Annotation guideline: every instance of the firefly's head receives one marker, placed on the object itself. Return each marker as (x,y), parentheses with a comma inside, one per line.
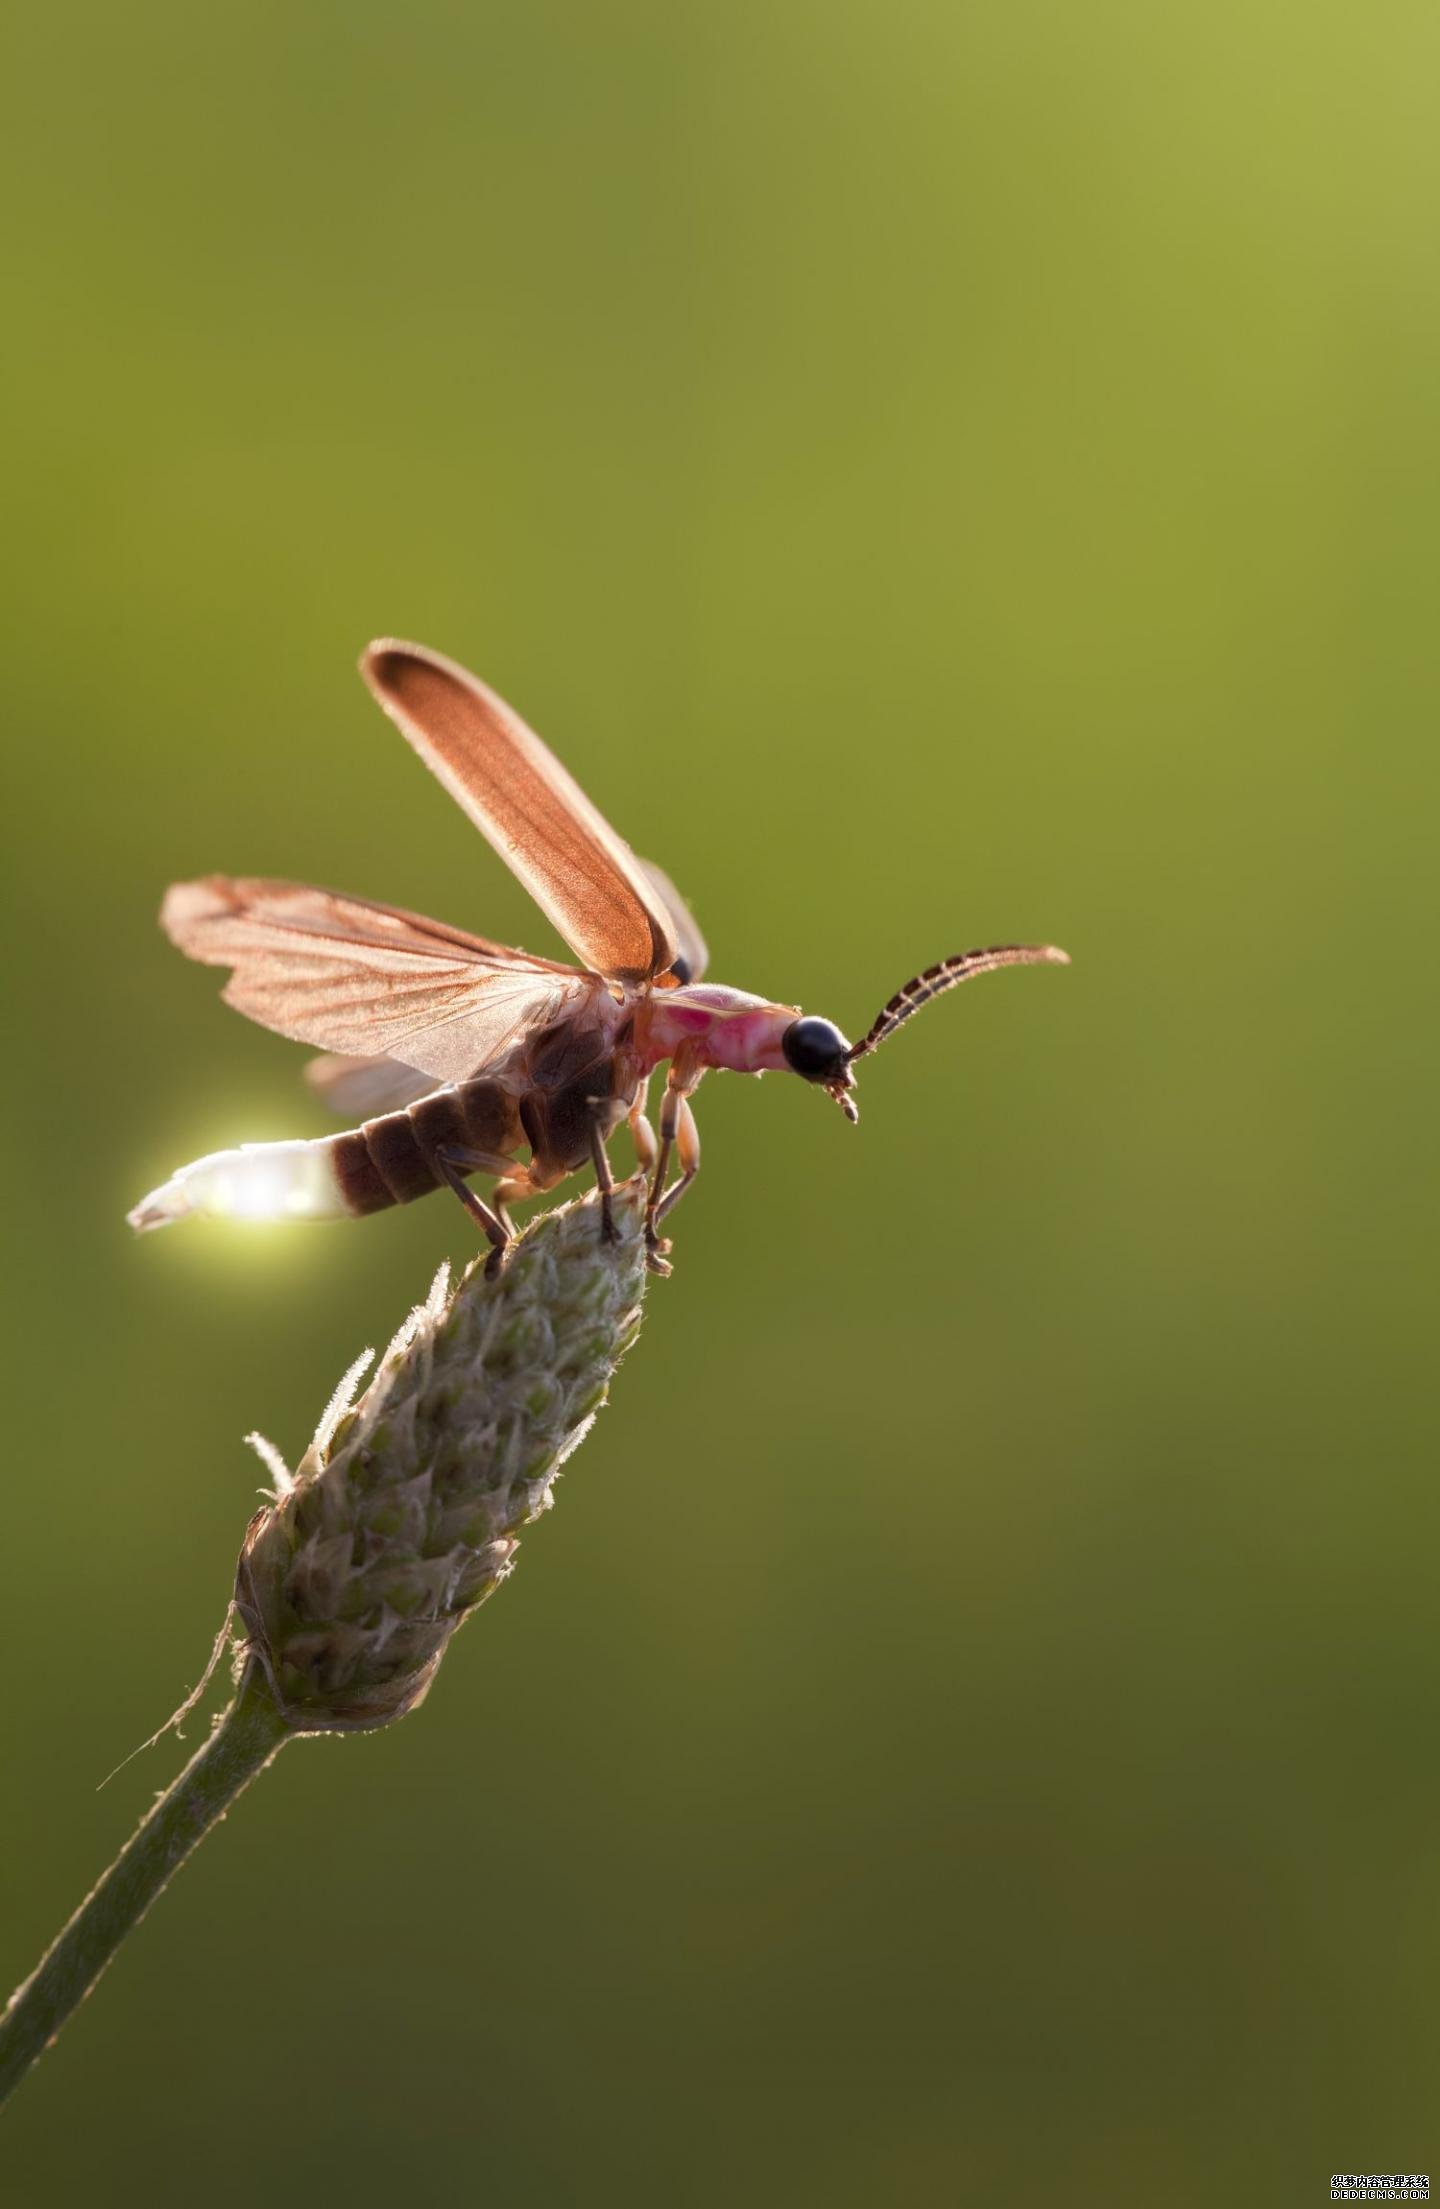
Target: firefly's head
(816,1050)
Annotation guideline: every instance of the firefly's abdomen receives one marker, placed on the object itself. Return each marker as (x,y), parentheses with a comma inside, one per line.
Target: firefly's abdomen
(391,1160)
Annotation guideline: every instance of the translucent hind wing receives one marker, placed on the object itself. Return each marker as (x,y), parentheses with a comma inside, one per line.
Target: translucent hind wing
(692,951)
(363,1088)
(367,980)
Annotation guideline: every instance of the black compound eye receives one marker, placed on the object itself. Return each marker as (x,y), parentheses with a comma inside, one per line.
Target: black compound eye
(816,1049)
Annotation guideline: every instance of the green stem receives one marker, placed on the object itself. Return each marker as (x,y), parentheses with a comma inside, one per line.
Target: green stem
(243,1743)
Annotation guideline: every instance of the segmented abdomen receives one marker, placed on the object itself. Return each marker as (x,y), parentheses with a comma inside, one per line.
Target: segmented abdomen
(390,1160)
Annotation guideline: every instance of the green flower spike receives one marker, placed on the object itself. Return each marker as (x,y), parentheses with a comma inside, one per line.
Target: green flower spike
(402,1517)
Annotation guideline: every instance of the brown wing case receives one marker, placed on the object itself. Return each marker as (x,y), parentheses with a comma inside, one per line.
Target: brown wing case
(367,979)
(579,872)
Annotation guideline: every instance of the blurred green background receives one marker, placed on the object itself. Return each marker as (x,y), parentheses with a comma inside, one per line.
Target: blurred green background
(937,474)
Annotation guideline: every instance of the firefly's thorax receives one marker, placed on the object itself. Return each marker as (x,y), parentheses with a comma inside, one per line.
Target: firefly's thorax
(713,1026)
(729,1028)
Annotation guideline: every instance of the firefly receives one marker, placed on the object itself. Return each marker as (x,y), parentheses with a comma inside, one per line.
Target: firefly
(457,1056)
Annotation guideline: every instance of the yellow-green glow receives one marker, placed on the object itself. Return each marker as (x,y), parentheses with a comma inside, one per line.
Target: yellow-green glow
(258,1182)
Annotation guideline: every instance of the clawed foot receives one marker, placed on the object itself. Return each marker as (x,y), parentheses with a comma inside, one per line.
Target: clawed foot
(496,1263)
(657,1252)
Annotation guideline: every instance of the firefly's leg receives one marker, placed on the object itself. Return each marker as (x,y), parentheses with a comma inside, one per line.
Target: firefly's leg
(452,1165)
(512,1190)
(642,1135)
(677,1125)
(654,1248)
(604,1179)
(687,1145)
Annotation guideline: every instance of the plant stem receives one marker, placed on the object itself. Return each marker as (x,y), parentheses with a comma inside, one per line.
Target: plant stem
(242,1744)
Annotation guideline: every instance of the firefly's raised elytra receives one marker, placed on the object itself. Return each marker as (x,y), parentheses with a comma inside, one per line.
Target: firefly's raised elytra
(456,1055)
